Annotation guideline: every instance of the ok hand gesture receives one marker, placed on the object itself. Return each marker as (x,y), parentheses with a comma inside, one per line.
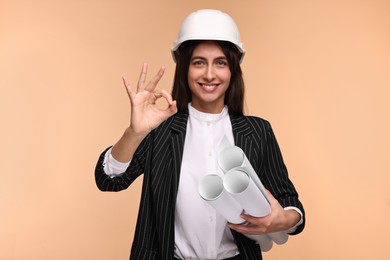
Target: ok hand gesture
(145,115)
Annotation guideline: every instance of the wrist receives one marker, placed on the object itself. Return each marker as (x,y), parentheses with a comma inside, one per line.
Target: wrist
(132,134)
(292,218)
(124,149)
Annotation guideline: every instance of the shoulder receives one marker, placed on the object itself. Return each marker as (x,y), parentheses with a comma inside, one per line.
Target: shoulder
(257,124)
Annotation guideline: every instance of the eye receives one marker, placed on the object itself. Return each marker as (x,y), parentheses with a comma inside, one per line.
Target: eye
(198,63)
(221,63)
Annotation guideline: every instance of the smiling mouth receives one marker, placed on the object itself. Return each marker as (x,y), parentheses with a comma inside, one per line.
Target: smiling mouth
(208,87)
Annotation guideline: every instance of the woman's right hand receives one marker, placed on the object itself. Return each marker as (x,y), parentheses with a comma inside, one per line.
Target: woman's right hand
(145,115)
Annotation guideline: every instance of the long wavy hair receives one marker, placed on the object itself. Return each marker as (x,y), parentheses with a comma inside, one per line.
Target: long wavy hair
(234,96)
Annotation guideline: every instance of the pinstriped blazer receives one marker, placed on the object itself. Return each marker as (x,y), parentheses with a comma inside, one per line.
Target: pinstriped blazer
(159,158)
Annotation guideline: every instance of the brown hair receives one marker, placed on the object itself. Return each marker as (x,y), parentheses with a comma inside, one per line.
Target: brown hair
(234,96)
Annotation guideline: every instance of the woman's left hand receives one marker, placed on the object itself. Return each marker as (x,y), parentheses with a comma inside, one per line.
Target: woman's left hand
(278,220)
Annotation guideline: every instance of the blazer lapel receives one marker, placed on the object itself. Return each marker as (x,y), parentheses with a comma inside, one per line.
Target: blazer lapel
(169,186)
(178,127)
(242,133)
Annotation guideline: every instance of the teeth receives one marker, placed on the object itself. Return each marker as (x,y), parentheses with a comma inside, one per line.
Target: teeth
(209,87)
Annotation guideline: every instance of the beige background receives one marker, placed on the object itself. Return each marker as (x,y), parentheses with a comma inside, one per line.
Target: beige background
(318,70)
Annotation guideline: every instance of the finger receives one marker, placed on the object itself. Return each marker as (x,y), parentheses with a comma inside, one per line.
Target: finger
(172,109)
(167,96)
(272,199)
(257,222)
(248,218)
(244,229)
(153,83)
(142,77)
(269,194)
(127,86)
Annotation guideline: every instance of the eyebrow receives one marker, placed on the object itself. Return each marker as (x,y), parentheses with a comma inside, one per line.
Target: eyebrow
(203,58)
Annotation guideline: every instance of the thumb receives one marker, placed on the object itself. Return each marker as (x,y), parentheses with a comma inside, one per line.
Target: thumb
(170,111)
(173,108)
(270,196)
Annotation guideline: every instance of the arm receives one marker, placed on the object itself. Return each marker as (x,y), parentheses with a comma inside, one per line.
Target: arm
(282,194)
(278,220)
(145,116)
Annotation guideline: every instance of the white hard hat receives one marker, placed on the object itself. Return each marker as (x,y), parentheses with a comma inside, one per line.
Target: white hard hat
(208,24)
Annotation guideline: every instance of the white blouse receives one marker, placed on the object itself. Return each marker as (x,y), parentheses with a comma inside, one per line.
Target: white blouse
(200,232)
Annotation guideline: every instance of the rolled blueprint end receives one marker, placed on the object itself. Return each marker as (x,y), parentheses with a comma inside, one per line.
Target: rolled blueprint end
(211,190)
(211,187)
(279,237)
(242,188)
(230,157)
(236,181)
(264,241)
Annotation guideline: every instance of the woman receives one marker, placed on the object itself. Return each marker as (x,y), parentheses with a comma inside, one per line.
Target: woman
(175,147)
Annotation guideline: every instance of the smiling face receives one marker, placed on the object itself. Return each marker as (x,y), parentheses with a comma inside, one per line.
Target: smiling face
(208,77)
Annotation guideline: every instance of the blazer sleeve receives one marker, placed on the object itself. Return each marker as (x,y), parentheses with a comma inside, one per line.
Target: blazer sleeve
(121,182)
(275,175)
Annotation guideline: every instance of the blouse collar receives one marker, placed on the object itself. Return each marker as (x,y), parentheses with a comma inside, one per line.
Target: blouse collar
(202,116)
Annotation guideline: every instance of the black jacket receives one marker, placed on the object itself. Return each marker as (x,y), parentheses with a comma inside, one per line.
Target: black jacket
(159,157)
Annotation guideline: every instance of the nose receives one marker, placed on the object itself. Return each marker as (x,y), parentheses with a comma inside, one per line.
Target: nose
(209,74)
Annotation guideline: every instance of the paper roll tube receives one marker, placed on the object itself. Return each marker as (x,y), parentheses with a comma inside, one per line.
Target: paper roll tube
(279,237)
(238,183)
(241,187)
(264,241)
(211,190)
(231,157)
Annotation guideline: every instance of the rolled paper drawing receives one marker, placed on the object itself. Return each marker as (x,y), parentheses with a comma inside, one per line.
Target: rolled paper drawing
(264,241)
(232,158)
(211,190)
(279,237)
(241,187)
